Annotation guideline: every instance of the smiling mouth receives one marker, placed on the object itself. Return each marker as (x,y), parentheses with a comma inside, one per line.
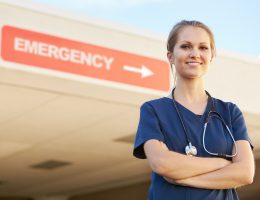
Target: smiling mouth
(194,63)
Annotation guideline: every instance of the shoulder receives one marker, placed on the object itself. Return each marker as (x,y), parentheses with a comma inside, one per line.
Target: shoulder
(227,107)
(157,103)
(224,104)
(227,104)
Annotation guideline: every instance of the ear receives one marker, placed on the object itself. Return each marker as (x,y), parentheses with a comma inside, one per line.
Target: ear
(170,57)
(211,59)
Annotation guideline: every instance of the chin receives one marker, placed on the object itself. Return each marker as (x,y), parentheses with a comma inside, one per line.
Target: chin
(194,76)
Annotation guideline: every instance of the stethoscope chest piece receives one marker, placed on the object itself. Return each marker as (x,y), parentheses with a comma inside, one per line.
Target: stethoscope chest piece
(190,150)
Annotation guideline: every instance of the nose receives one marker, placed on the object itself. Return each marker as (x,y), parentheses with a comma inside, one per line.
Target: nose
(194,53)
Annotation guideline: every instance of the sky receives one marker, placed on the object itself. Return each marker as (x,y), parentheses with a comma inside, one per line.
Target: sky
(235,23)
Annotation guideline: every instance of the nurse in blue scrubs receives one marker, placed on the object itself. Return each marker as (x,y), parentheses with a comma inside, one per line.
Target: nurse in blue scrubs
(197,145)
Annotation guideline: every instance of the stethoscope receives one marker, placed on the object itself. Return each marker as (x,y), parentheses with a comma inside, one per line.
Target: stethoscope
(192,150)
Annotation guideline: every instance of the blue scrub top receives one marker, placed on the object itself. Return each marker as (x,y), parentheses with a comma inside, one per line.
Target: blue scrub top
(159,120)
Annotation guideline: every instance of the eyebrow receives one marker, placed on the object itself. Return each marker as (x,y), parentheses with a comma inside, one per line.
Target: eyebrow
(191,43)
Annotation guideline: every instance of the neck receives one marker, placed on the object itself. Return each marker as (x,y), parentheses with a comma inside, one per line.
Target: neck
(190,92)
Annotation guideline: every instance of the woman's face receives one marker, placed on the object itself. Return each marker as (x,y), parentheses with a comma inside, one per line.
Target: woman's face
(192,53)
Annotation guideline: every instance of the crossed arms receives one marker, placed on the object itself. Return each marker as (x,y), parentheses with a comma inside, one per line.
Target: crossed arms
(200,172)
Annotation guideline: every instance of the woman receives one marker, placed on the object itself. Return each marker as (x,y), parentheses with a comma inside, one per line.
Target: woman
(188,159)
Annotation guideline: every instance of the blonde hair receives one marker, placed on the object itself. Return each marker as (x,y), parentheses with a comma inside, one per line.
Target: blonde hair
(173,35)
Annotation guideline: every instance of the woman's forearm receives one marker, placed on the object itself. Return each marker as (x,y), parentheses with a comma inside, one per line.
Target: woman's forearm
(178,166)
(240,172)
(231,176)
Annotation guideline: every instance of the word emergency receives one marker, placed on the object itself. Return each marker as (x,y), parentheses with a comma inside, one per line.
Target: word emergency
(62,53)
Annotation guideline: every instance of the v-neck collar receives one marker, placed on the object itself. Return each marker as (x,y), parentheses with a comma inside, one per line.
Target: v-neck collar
(200,118)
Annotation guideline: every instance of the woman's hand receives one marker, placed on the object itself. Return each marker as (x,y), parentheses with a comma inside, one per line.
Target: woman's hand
(169,180)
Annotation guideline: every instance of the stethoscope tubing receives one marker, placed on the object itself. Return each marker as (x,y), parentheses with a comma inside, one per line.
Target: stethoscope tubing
(218,154)
(182,123)
(211,113)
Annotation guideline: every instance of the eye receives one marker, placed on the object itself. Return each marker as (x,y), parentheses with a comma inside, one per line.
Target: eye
(185,46)
(204,48)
